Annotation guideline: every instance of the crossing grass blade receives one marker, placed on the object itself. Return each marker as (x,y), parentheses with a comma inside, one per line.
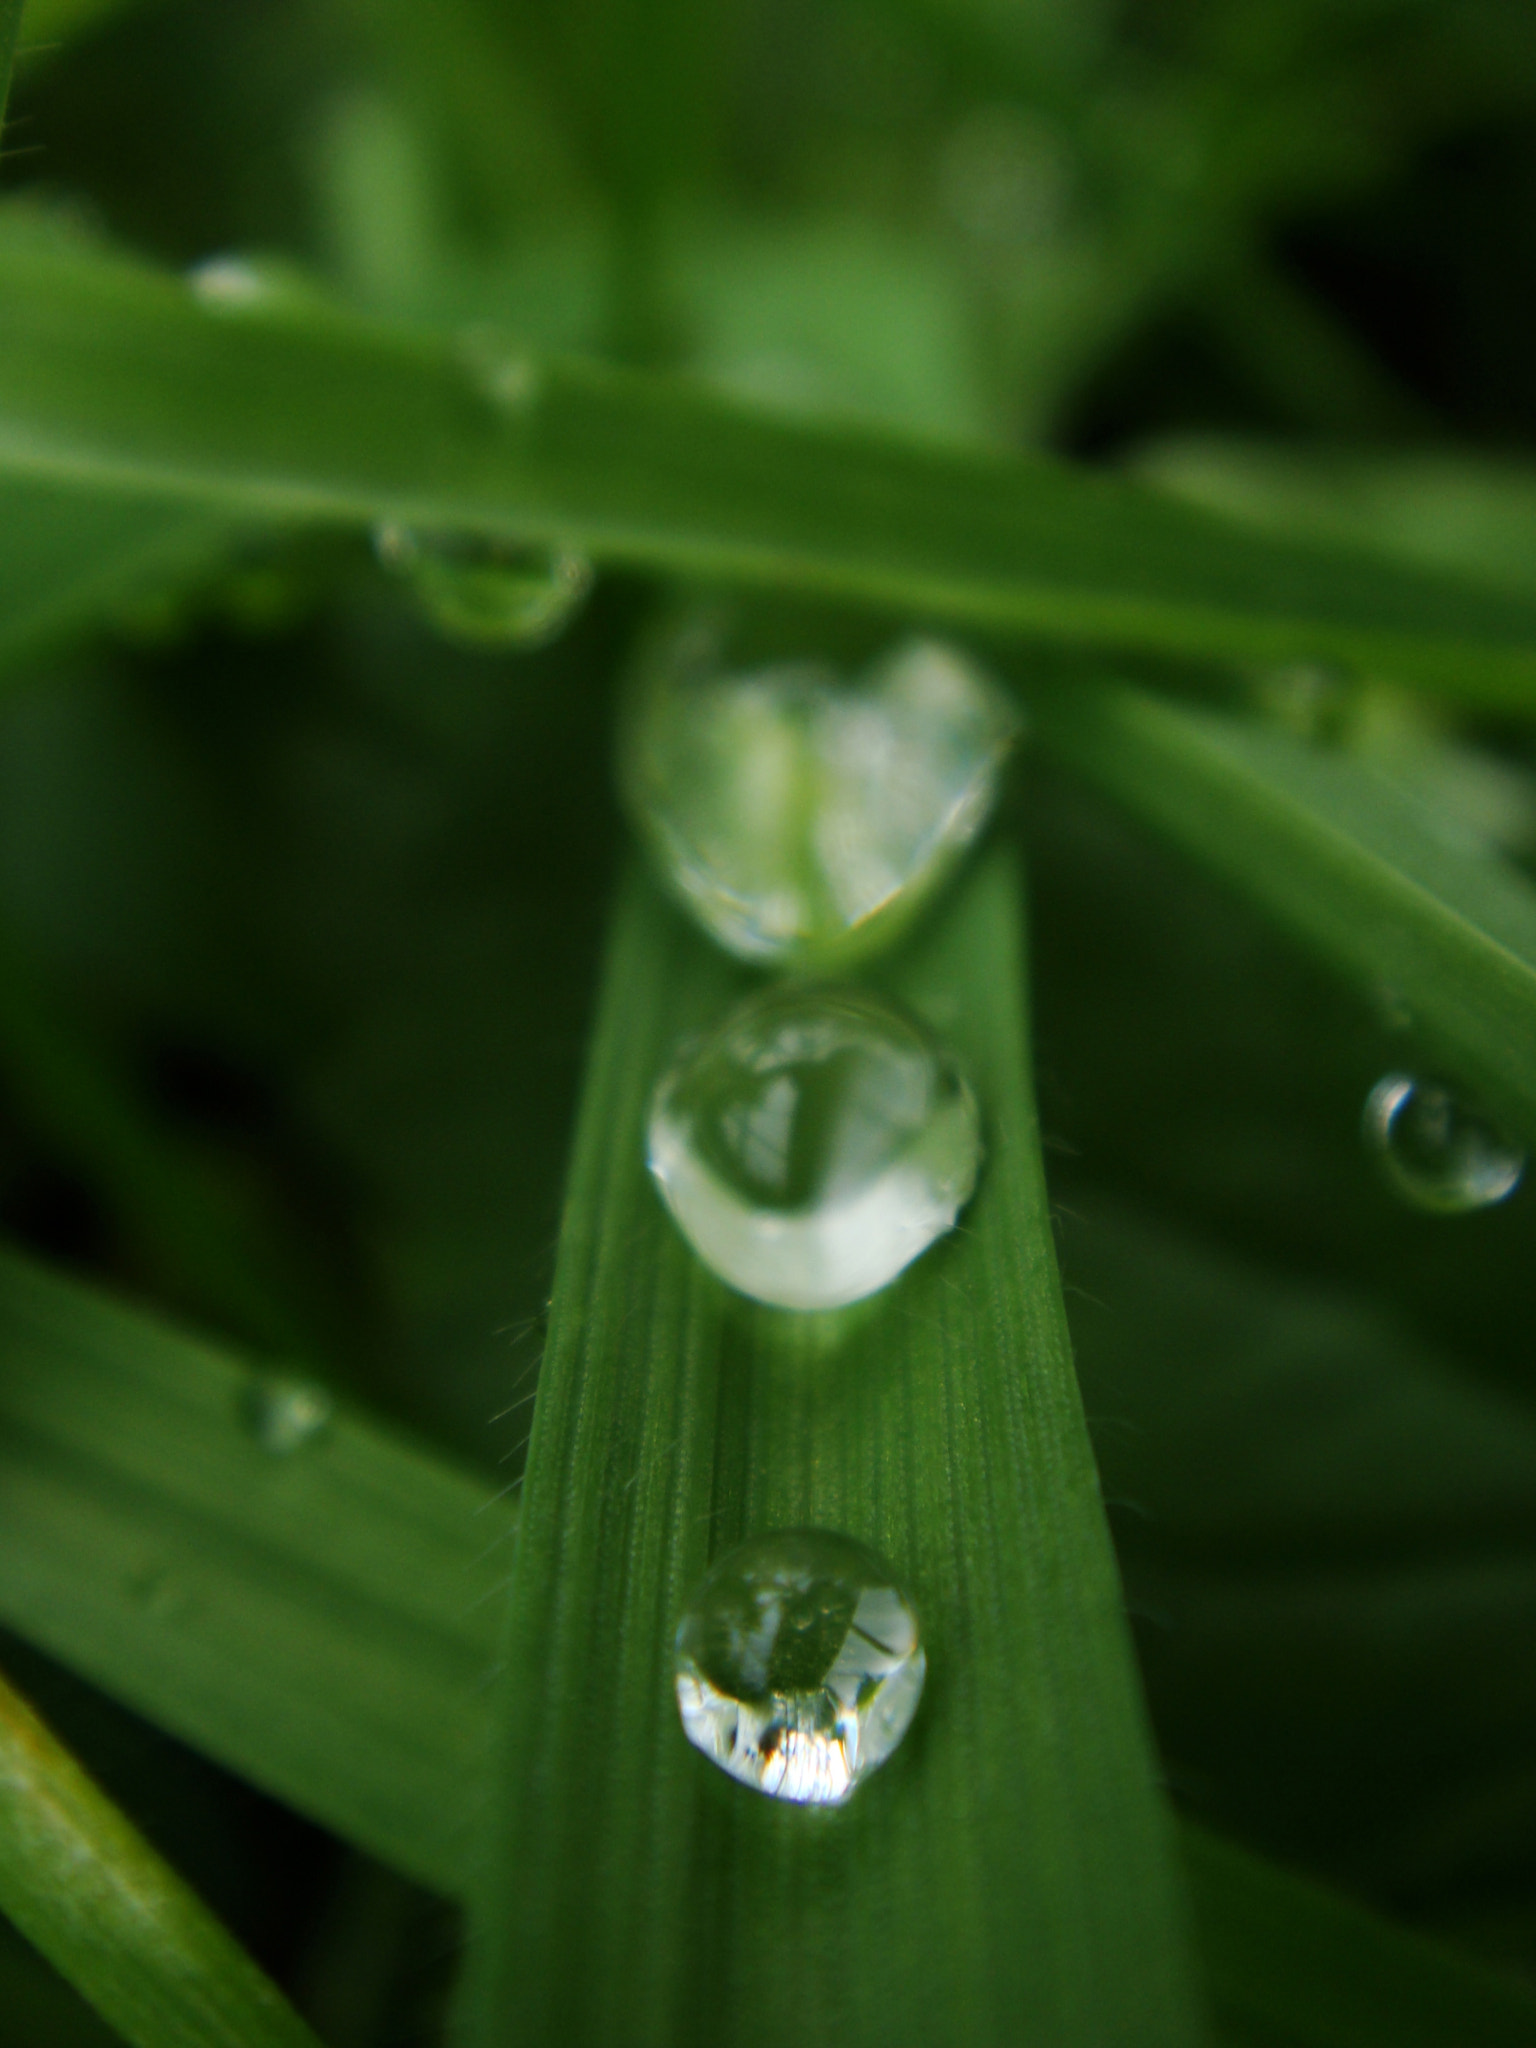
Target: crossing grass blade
(1264,1932)
(10,30)
(280,1675)
(69,559)
(939,1422)
(84,1886)
(114,376)
(320,1620)
(1341,857)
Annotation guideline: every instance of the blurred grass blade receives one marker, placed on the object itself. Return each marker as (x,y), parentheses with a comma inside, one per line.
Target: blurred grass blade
(287,1678)
(113,375)
(69,558)
(312,1610)
(1264,1933)
(10,30)
(1473,517)
(1339,855)
(84,1886)
(205,1235)
(940,1423)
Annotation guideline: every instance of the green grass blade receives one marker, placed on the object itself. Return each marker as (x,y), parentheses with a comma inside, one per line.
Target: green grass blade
(320,1621)
(84,1886)
(114,375)
(70,558)
(10,30)
(280,1676)
(1335,852)
(941,1423)
(1264,1933)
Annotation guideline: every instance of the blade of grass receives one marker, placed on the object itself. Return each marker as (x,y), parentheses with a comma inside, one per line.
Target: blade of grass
(10,30)
(940,1423)
(1340,856)
(69,558)
(306,1617)
(280,1678)
(113,375)
(1263,1932)
(86,1888)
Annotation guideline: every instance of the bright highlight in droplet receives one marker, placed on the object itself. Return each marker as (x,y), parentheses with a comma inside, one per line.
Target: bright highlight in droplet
(1437,1154)
(799,1665)
(803,819)
(285,1412)
(814,1145)
(484,592)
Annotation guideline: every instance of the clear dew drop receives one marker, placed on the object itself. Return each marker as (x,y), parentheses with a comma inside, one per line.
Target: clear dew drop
(801,818)
(1437,1154)
(799,1665)
(484,592)
(813,1145)
(284,1412)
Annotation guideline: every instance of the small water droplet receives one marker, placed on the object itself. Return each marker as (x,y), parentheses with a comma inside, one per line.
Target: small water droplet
(248,284)
(484,592)
(1437,1154)
(799,1665)
(803,819)
(814,1144)
(284,1413)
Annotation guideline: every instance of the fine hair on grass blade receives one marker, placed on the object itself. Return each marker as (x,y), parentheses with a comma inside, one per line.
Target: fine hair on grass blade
(938,1422)
(84,1886)
(117,377)
(1340,857)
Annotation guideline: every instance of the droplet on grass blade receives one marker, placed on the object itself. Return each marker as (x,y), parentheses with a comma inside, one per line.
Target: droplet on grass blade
(814,1144)
(799,1665)
(1437,1154)
(485,592)
(284,1412)
(802,819)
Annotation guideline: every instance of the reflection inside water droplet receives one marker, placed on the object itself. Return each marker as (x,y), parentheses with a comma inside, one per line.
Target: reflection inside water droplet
(484,592)
(1437,1154)
(799,1665)
(814,1144)
(800,818)
(284,1413)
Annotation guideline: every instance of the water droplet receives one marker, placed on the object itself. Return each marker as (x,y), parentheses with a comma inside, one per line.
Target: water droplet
(484,592)
(284,1413)
(799,1665)
(803,819)
(248,284)
(1438,1155)
(813,1145)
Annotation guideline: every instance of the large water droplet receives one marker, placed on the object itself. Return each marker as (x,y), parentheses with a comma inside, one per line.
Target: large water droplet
(799,1665)
(485,592)
(803,819)
(1438,1155)
(284,1412)
(814,1144)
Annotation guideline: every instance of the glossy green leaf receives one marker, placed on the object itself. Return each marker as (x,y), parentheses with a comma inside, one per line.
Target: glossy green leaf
(939,1422)
(115,376)
(304,1612)
(10,30)
(112,1917)
(280,1675)
(1340,856)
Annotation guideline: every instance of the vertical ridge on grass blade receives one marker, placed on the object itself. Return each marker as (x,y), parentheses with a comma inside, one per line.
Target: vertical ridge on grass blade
(1011,1871)
(85,1887)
